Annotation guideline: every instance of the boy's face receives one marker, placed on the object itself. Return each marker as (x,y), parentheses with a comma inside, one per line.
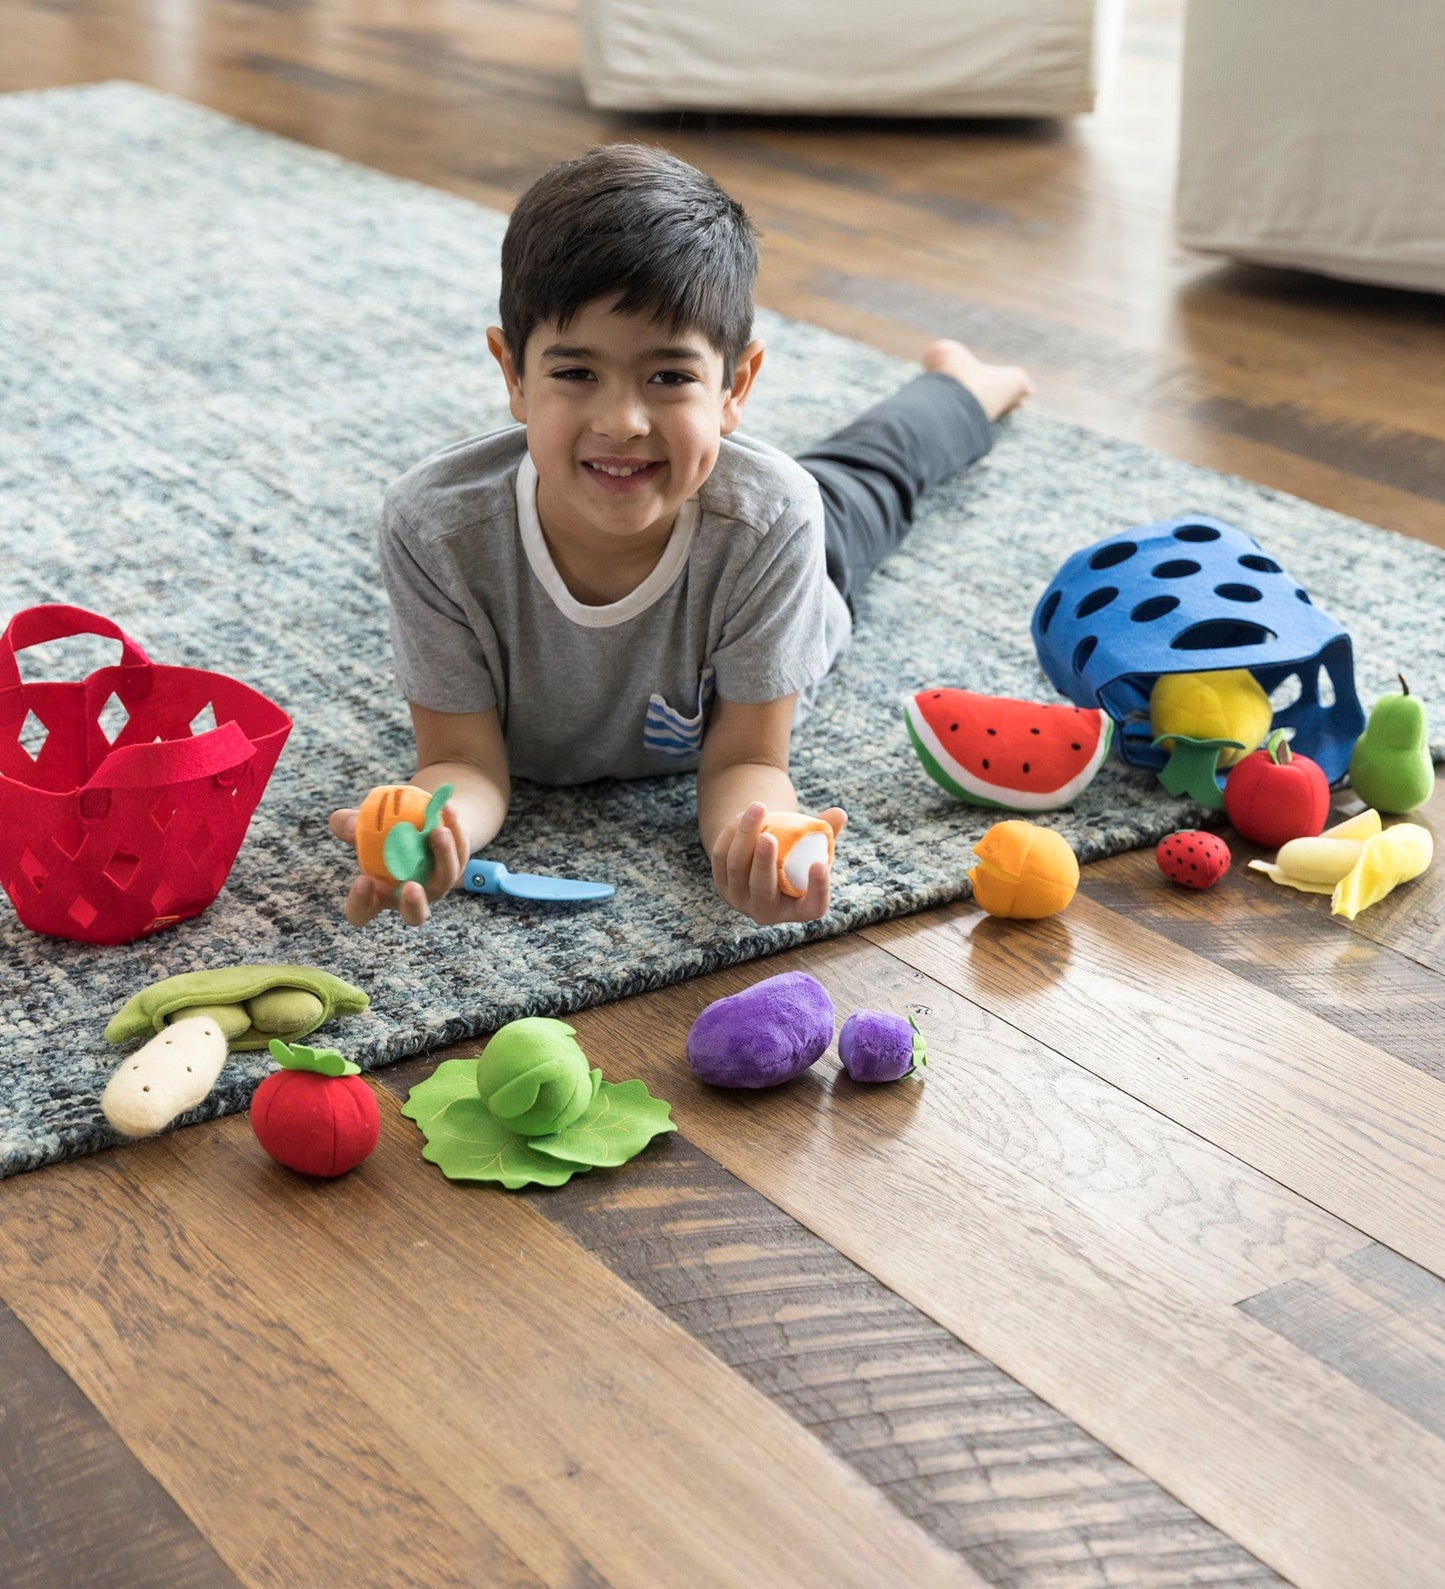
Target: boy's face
(624,420)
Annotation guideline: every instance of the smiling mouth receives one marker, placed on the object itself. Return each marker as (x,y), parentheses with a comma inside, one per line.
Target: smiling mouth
(617,471)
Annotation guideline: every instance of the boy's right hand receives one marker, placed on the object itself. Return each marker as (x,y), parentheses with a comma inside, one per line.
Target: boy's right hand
(367,898)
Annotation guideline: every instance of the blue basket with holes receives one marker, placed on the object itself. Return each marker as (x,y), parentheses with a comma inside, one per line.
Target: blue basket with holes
(1193,595)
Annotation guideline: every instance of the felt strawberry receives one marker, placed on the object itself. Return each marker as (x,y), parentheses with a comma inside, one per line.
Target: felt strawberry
(315,1114)
(1193,859)
(1275,795)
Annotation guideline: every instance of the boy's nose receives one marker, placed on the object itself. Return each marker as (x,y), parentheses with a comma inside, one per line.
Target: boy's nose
(620,415)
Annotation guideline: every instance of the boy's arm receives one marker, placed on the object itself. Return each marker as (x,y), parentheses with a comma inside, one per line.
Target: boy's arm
(466,750)
(742,776)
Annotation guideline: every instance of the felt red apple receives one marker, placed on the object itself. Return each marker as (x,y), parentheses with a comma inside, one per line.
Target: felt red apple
(1273,795)
(315,1114)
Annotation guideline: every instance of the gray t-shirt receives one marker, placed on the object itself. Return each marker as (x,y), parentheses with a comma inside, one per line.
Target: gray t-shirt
(739,603)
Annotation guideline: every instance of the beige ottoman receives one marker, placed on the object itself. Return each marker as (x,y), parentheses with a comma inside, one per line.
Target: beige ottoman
(1312,134)
(849,57)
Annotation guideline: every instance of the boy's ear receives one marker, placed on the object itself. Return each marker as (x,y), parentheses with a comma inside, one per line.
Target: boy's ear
(517,401)
(737,394)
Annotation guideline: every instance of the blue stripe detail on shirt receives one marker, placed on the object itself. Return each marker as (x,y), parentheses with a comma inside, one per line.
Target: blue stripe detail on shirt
(668,732)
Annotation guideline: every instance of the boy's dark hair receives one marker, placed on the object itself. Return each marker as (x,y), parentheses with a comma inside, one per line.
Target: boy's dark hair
(632,219)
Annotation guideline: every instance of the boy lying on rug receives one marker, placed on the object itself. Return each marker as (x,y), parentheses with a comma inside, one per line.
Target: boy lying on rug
(621,585)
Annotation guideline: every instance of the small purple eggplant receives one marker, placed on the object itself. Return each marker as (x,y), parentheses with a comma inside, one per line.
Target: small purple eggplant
(765,1035)
(875,1046)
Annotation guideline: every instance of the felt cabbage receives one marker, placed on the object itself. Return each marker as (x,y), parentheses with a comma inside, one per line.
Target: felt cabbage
(534,1077)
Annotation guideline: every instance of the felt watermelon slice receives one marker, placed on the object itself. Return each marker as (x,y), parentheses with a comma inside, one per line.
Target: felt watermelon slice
(991,750)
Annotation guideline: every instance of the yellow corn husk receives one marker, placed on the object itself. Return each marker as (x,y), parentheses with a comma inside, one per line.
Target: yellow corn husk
(1395,856)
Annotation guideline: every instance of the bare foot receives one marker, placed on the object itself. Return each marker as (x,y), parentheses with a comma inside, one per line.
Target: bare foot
(998,387)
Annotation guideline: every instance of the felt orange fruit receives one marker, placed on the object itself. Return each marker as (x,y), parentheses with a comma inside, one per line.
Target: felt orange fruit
(1023,871)
(801,841)
(380,812)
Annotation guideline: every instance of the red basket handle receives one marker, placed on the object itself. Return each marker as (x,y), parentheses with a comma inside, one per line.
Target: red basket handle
(211,755)
(34,626)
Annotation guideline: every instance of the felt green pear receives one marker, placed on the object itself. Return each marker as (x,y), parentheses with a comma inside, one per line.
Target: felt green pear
(1390,767)
(534,1077)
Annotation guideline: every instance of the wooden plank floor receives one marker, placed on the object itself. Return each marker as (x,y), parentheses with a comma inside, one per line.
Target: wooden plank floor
(1143,1285)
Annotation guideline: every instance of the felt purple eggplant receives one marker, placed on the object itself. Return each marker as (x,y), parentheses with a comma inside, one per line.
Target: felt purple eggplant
(876,1046)
(765,1035)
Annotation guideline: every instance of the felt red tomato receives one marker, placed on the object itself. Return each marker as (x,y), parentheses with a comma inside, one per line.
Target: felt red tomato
(1273,795)
(315,1114)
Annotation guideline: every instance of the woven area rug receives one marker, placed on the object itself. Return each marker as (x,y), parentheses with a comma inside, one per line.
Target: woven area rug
(217,348)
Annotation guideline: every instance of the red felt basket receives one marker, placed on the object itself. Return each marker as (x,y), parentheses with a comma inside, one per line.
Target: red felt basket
(106,839)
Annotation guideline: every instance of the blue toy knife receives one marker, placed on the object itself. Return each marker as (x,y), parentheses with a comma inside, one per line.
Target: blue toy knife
(491,877)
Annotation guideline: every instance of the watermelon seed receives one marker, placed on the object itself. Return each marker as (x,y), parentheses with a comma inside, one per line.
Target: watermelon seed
(1075,747)
(985,763)
(1026,766)
(993,731)
(953,728)
(1033,731)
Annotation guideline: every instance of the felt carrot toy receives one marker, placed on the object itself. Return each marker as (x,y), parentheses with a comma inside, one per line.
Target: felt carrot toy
(392,828)
(801,841)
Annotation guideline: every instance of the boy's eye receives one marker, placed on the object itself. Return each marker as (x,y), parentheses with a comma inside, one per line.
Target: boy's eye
(674,377)
(572,375)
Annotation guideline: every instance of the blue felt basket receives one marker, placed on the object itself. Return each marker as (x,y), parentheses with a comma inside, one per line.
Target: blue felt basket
(1192,595)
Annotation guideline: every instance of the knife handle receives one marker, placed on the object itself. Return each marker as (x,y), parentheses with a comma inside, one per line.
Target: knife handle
(483,877)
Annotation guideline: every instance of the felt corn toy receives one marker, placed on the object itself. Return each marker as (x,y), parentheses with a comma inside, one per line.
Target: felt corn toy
(801,841)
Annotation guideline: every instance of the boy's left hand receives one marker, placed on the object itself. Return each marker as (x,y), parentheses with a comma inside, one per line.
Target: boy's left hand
(745,870)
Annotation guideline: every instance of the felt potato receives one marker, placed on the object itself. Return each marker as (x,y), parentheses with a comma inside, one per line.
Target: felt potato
(1024,871)
(801,841)
(763,1036)
(170,1074)
(310,996)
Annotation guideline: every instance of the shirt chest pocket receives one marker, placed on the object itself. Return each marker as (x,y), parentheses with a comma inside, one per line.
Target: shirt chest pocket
(677,735)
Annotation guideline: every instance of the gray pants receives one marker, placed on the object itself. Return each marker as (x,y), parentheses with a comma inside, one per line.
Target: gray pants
(873,471)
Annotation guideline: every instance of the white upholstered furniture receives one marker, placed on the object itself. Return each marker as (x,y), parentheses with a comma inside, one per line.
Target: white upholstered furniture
(1312,134)
(849,57)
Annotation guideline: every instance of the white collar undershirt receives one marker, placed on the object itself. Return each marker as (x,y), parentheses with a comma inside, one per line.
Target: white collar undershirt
(669,565)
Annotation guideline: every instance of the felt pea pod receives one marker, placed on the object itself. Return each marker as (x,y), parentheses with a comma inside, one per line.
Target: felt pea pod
(251,1004)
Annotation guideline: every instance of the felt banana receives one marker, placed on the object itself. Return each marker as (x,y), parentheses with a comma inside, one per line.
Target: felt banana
(1315,866)
(1398,855)
(1357,863)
